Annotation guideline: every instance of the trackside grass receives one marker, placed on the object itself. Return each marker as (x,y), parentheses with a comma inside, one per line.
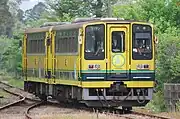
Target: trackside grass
(15,82)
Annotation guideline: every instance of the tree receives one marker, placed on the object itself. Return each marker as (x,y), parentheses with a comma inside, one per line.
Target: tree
(66,10)
(20,15)
(163,14)
(128,10)
(6,21)
(169,58)
(10,56)
(35,13)
(14,6)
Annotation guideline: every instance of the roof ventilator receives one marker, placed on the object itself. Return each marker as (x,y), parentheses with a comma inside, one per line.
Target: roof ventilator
(54,23)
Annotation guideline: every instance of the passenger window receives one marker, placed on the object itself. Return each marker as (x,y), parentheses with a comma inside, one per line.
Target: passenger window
(118,41)
(35,43)
(66,42)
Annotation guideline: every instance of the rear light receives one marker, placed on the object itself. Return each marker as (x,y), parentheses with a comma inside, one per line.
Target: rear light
(142,66)
(93,66)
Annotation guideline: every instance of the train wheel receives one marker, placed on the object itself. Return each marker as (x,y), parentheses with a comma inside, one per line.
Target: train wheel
(126,109)
(43,97)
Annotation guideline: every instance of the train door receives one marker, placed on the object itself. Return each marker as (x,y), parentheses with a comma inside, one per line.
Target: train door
(118,53)
(49,59)
(24,57)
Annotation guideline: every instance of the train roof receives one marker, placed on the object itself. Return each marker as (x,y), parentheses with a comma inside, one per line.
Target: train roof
(76,24)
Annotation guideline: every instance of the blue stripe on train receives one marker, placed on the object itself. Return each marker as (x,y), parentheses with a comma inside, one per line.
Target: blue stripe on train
(122,76)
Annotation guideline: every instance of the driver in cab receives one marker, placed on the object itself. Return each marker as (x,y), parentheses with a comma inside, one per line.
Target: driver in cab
(115,45)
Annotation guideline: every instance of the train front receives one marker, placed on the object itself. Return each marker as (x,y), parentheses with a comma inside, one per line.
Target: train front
(118,64)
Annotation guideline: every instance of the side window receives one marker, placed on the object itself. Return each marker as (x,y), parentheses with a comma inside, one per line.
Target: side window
(118,41)
(35,43)
(67,41)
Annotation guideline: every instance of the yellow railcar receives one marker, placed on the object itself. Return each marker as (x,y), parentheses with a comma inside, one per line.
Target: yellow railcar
(100,62)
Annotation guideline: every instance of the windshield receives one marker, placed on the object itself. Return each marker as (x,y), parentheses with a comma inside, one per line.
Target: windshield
(142,44)
(94,42)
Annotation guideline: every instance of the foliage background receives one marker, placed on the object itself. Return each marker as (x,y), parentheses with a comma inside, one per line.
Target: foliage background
(164,14)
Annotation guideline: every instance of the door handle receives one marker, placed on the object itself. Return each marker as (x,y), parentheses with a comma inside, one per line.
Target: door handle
(65,62)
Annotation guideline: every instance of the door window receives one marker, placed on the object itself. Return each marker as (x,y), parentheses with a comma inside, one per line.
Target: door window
(118,41)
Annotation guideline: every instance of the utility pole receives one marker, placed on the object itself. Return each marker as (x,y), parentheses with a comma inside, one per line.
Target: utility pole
(109,9)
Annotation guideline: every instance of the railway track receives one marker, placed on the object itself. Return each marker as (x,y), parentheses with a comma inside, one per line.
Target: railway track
(131,115)
(115,112)
(20,92)
(31,107)
(139,115)
(22,99)
(37,103)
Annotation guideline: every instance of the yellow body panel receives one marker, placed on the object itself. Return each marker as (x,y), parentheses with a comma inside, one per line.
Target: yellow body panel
(151,62)
(94,84)
(24,58)
(66,82)
(135,62)
(106,84)
(35,61)
(84,62)
(49,51)
(66,62)
(35,79)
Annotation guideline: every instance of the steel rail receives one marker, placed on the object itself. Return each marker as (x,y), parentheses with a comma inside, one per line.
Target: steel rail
(31,107)
(150,115)
(22,99)
(30,99)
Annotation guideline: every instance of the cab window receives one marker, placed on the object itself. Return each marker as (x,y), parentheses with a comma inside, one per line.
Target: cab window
(95,42)
(142,42)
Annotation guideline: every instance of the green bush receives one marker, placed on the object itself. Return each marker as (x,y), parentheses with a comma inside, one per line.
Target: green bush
(158,103)
(178,105)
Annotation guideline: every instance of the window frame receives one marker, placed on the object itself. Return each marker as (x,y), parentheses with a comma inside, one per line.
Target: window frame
(134,31)
(64,37)
(122,43)
(34,45)
(89,55)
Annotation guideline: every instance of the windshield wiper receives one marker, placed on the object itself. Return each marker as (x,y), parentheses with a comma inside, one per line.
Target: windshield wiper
(97,52)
